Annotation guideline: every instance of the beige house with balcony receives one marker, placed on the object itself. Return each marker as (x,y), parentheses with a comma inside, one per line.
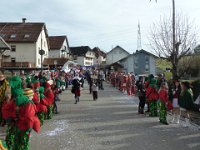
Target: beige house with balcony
(59,47)
(26,39)
(59,52)
(83,55)
(100,56)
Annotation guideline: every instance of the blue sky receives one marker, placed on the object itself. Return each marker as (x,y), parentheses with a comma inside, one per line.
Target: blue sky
(102,23)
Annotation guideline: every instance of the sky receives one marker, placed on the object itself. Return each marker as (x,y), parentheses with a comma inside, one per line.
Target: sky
(98,23)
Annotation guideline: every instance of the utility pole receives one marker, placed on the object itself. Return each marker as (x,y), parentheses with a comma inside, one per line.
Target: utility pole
(174,51)
(174,37)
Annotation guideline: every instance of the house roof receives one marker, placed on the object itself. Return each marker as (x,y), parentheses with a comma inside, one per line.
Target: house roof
(143,51)
(51,61)
(125,57)
(118,47)
(80,51)
(98,52)
(138,52)
(21,32)
(3,44)
(56,42)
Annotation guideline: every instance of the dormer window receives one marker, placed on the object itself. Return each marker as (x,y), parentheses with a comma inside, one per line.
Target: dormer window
(13,36)
(26,36)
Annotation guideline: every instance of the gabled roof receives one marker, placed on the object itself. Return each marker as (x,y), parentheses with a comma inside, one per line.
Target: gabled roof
(125,57)
(118,47)
(56,42)
(98,52)
(143,51)
(21,32)
(3,44)
(80,51)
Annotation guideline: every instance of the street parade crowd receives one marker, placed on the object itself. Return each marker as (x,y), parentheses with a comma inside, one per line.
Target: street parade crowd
(26,101)
(159,94)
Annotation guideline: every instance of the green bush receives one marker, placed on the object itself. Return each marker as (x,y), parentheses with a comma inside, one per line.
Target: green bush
(196,88)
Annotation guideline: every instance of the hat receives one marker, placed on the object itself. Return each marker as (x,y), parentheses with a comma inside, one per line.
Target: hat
(20,98)
(28,92)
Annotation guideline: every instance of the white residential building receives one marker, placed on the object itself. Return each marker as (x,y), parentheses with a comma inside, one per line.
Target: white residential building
(59,47)
(83,55)
(26,40)
(100,56)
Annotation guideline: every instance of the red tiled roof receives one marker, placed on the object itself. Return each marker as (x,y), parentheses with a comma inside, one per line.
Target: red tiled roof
(31,30)
(56,42)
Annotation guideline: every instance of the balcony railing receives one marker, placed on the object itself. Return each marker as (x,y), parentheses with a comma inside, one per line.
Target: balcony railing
(18,64)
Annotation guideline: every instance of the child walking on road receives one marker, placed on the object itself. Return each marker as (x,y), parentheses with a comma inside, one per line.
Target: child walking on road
(95,91)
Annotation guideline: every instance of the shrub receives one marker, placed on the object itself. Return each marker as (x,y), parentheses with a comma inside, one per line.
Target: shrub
(196,88)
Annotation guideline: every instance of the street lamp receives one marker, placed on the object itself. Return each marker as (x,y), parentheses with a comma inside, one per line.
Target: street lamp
(41,52)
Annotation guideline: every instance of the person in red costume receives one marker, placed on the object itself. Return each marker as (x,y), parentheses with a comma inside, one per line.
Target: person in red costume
(48,100)
(152,95)
(37,97)
(22,112)
(129,84)
(133,88)
(163,97)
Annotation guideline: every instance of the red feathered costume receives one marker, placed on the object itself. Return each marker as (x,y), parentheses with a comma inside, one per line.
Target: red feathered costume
(39,105)
(24,115)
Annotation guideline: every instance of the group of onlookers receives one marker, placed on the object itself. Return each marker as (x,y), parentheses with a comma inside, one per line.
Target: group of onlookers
(158,94)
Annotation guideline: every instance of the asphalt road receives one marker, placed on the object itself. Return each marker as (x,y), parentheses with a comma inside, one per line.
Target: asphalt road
(110,123)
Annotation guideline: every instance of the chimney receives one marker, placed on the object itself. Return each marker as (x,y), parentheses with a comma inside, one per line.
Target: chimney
(24,20)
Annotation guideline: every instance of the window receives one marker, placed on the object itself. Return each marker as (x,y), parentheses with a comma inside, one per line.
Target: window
(13,60)
(146,59)
(136,60)
(39,61)
(26,36)
(13,36)
(146,67)
(13,48)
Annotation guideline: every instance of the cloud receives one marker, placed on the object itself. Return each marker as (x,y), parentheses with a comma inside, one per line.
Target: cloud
(102,23)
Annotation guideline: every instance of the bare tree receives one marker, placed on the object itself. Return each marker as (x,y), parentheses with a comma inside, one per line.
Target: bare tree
(163,42)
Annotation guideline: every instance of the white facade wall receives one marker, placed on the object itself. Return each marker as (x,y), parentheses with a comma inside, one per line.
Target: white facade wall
(41,44)
(25,52)
(54,53)
(29,52)
(88,60)
(65,46)
(99,60)
(115,55)
(80,60)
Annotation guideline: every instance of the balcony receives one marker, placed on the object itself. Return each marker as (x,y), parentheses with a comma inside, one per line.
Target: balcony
(18,64)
